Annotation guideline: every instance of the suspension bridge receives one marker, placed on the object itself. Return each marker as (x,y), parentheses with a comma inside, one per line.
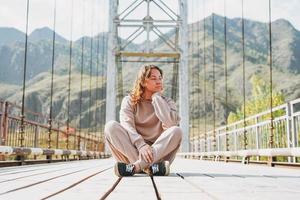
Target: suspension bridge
(241,126)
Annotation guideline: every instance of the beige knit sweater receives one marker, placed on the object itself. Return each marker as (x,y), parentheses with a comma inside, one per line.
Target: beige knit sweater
(149,119)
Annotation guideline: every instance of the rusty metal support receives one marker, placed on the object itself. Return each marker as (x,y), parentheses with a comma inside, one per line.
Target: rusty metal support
(4,124)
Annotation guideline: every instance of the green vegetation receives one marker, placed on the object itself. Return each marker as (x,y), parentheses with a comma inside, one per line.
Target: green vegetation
(259,102)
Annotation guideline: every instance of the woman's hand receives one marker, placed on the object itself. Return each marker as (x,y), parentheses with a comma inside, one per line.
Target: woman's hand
(146,153)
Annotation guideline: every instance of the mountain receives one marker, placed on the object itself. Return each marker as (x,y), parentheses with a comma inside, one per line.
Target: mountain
(286,63)
(37,98)
(45,33)
(286,45)
(9,36)
(39,56)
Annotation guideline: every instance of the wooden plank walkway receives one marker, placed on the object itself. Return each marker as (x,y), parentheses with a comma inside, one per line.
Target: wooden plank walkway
(189,179)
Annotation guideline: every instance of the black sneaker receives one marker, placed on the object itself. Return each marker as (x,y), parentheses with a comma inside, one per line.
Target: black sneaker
(123,169)
(160,169)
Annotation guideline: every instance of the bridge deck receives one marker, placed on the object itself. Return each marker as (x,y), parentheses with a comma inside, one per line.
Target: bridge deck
(189,179)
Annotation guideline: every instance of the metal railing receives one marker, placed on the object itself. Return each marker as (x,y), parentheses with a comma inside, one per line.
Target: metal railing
(37,132)
(230,138)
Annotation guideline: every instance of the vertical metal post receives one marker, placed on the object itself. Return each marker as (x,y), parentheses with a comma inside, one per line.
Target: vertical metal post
(57,137)
(293,128)
(36,136)
(75,138)
(2,138)
(78,143)
(111,62)
(235,138)
(4,124)
(183,75)
(218,141)
(288,127)
(256,137)
(1,121)
(148,27)
(67,139)
(119,75)
(94,143)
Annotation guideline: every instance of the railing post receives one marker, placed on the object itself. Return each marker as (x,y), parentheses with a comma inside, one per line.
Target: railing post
(83,146)
(93,142)
(87,142)
(97,141)
(288,128)
(1,121)
(75,138)
(226,139)
(193,145)
(208,145)
(293,128)
(205,141)
(218,140)
(36,137)
(78,142)
(200,144)
(257,137)
(4,124)
(67,138)
(97,144)
(2,135)
(235,138)
(57,138)
(49,140)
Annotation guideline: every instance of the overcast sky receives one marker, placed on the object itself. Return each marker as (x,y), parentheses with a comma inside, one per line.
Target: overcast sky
(95,12)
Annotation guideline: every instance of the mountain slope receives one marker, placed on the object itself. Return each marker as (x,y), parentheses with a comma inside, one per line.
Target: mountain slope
(286,72)
(9,36)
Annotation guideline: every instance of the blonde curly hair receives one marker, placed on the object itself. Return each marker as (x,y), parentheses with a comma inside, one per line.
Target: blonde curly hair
(138,87)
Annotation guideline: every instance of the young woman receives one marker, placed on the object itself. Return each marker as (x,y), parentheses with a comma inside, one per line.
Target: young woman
(147,137)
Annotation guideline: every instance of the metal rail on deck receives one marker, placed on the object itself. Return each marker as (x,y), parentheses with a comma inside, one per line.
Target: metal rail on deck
(36,137)
(286,131)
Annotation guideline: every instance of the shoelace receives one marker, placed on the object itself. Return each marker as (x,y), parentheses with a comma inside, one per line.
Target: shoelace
(129,168)
(155,168)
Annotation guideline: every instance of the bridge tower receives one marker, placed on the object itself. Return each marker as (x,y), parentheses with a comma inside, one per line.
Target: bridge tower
(177,50)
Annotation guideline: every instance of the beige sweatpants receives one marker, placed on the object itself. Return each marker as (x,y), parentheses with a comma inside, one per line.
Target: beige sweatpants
(164,148)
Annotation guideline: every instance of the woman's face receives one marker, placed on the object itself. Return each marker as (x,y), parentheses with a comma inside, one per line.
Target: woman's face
(155,82)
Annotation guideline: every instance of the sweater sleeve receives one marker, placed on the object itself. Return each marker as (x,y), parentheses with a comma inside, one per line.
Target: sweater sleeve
(165,110)
(127,121)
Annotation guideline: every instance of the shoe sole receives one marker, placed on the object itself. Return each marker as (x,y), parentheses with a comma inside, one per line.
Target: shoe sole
(116,170)
(167,165)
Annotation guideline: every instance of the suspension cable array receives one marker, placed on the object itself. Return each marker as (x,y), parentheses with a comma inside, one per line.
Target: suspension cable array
(209,89)
(28,132)
(243,64)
